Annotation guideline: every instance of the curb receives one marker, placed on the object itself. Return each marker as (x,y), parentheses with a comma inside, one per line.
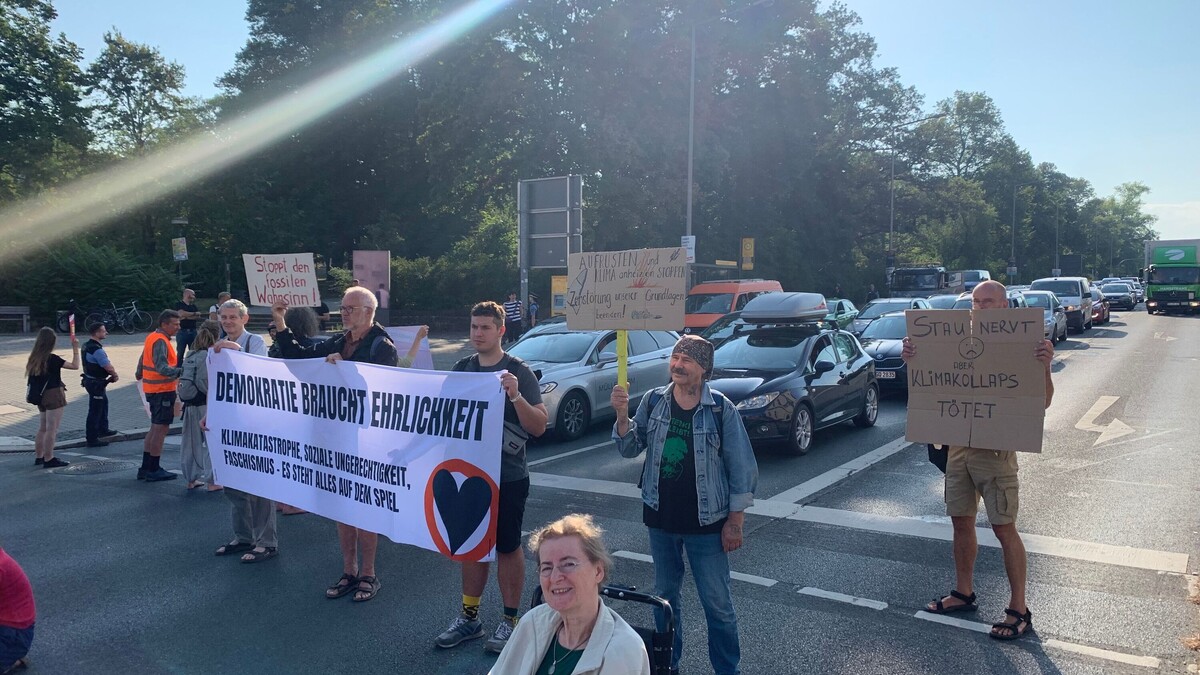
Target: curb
(131,435)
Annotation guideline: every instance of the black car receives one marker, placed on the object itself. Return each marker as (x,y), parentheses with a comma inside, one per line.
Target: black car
(789,374)
(1119,295)
(883,341)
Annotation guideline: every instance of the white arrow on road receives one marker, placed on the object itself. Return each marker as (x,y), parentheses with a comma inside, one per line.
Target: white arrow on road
(1164,337)
(1108,432)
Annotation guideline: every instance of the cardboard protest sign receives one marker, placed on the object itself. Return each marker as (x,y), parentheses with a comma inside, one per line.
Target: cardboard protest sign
(974,380)
(640,289)
(282,276)
(411,454)
(403,337)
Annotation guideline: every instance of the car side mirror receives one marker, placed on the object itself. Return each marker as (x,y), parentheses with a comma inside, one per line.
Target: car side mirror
(605,359)
(823,367)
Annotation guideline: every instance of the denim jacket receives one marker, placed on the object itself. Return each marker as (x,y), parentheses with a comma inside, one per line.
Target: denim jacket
(726,471)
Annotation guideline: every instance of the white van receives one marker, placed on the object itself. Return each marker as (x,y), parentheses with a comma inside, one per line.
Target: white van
(1076,296)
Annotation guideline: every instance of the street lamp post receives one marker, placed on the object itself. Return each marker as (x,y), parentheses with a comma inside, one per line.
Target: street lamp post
(891,252)
(1012,256)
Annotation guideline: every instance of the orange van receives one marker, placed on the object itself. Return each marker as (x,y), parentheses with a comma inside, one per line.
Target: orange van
(712,300)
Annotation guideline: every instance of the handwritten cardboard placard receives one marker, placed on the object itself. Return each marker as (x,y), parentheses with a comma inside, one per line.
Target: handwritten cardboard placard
(974,380)
(642,289)
(282,276)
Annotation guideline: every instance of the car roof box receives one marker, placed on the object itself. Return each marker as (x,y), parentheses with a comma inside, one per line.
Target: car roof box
(786,308)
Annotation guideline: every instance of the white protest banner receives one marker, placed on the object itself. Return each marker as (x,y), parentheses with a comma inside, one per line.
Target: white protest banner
(974,381)
(639,289)
(403,336)
(413,455)
(282,276)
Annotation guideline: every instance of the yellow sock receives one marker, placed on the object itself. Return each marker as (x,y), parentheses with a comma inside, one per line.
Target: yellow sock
(471,607)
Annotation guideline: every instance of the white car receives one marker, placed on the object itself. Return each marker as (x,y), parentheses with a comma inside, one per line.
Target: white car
(578,369)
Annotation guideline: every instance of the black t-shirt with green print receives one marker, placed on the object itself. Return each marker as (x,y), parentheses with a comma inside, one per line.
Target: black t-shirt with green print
(678,511)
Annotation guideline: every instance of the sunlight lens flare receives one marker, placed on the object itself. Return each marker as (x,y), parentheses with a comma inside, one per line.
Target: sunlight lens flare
(135,183)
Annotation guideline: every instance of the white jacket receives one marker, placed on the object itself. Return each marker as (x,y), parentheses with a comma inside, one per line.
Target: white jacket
(614,648)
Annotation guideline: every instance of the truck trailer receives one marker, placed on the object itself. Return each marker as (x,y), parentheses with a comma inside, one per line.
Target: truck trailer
(1172,276)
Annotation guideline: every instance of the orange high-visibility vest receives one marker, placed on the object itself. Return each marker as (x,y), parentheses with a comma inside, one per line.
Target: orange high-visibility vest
(152,381)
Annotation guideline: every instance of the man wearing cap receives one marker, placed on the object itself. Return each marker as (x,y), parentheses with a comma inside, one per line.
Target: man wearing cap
(696,487)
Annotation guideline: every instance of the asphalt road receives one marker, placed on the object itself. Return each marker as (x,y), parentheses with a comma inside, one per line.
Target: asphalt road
(844,546)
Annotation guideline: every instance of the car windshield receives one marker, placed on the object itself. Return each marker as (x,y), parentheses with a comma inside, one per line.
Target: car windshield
(962,303)
(708,303)
(971,275)
(913,282)
(942,301)
(1038,300)
(554,347)
(1116,288)
(778,349)
(1175,275)
(887,328)
(877,309)
(722,328)
(1063,289)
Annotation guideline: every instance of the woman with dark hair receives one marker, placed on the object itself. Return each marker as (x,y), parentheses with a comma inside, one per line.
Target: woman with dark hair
(43,373)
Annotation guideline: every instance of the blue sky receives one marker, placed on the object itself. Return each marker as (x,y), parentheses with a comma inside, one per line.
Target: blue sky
(1107,91)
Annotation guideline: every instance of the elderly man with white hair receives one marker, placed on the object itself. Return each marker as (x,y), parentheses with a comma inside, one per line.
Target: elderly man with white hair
(364,341)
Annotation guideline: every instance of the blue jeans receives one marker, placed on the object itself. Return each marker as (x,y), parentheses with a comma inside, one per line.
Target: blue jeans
(14,645)
(183,340)
(710,569)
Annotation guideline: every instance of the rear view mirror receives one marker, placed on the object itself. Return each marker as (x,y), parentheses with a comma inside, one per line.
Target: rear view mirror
(823,367)
(606,358)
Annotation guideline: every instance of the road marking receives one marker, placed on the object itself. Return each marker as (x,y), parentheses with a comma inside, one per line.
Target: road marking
(739,576)
(1108,432)
(601,487)
(71,454)
(836,475)
(1158,335)
(552,458)
(842,597)
(1123,556)
(1106,654)
(1130,659)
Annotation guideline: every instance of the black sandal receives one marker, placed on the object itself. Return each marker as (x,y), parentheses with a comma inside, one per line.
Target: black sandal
(969,605)
(234,547)
(267,553)
(345,585)
(1016,629)
(369,592)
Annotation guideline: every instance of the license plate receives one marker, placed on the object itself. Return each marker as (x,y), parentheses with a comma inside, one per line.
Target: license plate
(885,374)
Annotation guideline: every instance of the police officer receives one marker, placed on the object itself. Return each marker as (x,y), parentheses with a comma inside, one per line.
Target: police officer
(98,372)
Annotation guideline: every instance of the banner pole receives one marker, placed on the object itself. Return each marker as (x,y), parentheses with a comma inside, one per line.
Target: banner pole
(623,358)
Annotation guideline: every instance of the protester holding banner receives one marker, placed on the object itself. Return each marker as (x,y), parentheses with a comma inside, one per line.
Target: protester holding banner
(573,632)
(192,389)
(254,519)
(696,487)
(992,474)
(367,342)
(157,373)
(45,389)
(524,416)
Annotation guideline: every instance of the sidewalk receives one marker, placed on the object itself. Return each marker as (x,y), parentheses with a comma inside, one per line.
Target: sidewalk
(19,420)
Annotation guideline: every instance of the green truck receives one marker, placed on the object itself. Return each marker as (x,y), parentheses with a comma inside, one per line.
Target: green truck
(1172,276)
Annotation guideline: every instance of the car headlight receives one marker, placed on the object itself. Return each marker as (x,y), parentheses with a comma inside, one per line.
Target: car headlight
(548,387)
(760,401)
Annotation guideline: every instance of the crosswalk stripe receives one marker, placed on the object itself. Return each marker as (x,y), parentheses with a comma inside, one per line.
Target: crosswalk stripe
(739,576)
(842,597)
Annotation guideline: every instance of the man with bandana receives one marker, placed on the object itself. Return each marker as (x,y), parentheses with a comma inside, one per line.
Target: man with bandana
(698,480)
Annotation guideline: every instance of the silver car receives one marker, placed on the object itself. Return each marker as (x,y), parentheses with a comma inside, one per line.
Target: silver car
(1055,315)
(577,371)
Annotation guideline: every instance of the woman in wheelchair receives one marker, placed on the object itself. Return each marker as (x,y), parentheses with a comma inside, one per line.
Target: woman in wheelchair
(573,633)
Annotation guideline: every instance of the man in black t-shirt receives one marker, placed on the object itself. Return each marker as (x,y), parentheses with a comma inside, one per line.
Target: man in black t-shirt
(697,482)
(524,415)
(322,312)
(188,313)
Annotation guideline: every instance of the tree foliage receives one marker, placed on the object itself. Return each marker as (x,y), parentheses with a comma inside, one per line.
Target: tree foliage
(798,131)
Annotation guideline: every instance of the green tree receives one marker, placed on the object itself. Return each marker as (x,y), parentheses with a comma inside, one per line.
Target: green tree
(43,126)
(137,94)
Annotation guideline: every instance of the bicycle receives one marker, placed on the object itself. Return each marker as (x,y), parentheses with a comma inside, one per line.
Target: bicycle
(129,319)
